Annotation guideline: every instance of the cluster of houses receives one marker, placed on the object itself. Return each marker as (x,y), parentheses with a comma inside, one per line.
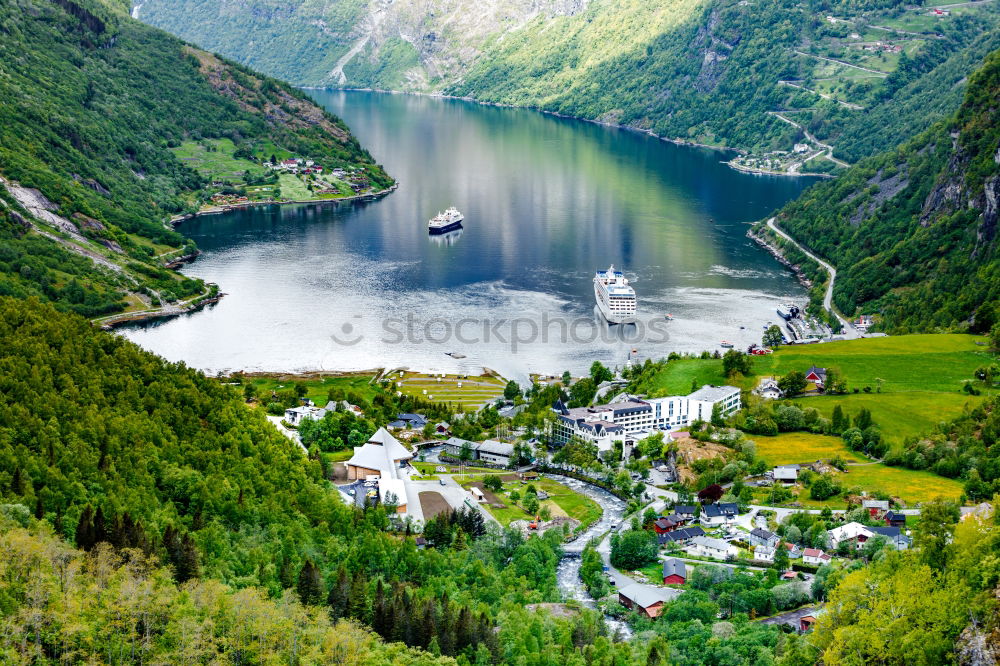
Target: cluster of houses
(627,419)
(298,165)
(768,388)
(676,530)
(294,416)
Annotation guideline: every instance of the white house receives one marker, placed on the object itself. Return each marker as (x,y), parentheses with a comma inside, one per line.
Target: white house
(714,548)
(296,415)
(787,474)
(855,533)
(815,556)
(763,554)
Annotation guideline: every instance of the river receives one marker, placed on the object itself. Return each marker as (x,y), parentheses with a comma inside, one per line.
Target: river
(547,201)
(568,572)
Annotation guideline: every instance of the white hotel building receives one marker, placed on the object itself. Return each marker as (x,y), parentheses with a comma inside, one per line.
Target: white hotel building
(635,418)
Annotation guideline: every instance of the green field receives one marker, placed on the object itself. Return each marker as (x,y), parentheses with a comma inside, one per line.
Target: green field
(562,500)
(317,387)
(898,415)
(801,447)
(213,158)
(911,486)
(921,377)
(473,392)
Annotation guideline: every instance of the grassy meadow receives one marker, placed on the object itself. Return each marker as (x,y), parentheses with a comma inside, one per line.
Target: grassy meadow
(921,377)
(317,386)
(473,392)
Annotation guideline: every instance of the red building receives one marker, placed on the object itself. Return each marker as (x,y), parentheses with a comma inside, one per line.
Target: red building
(674,572)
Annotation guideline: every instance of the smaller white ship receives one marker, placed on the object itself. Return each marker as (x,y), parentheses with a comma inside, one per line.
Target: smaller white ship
(446,221)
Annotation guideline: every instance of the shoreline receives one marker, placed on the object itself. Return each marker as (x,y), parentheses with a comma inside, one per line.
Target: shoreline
(218,210)
(111,322)
(501,105)
(780,258)
(765,172)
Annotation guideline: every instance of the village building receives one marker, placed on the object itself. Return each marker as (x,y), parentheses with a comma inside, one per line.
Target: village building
(665,524)
(794,552)
(815,556)
(893,535)
(719,514)
(491,451)
(630,420)
(674,572)
(761,537)
(764,553)
(714,548)
(645,599)
(854,533)
(412,421)
(816,375)
(680,536)
(894,519)
(786,474)
(875,508)
(685,511)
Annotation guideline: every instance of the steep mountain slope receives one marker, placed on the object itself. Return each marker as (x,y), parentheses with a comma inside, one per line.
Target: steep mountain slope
(710,71)
(913,231)
(97,105)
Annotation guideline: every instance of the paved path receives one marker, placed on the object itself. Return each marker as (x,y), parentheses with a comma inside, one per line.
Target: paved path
(848,330)
(849,105)
(840,62)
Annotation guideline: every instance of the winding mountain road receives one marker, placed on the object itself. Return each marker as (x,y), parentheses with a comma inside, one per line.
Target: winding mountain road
(849,331)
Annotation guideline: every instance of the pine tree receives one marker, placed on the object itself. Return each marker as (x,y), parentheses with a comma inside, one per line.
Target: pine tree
(339,594)
(309,585)
(186,566)
(85,529)
(100,527)
(837,423)
(357,602)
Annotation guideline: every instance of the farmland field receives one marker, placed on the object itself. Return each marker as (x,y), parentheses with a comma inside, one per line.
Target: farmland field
(921,377)
(213,158)
(898,415)
(468,393)
(802,447)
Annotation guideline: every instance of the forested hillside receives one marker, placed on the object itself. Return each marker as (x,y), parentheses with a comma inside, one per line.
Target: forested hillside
(913,231)
(95,103)
(111,444)
(862,76)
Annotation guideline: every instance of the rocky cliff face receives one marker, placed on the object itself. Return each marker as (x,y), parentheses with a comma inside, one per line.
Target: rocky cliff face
(404,44)
(913,232)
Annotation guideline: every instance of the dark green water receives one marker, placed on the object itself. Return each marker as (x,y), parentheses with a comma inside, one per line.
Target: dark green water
(547,201)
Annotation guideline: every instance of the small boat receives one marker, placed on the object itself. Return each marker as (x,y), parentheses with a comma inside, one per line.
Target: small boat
(668,317)
(455,354)
(726,344)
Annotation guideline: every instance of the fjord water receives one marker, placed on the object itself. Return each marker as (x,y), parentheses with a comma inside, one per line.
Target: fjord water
(547,201)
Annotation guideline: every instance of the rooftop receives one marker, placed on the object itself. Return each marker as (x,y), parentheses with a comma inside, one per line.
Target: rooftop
(709,393)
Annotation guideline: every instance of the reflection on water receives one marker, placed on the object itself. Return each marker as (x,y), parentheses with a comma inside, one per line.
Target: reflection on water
(448,238)
(549,201)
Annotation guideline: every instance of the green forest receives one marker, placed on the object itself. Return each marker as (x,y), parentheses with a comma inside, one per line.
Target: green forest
(913,230)
(101,101)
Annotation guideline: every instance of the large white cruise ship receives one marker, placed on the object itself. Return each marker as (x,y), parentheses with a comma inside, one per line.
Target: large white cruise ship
(446,221)
(615,296)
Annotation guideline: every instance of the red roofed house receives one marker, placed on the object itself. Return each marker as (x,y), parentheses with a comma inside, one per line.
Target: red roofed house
(674,572)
